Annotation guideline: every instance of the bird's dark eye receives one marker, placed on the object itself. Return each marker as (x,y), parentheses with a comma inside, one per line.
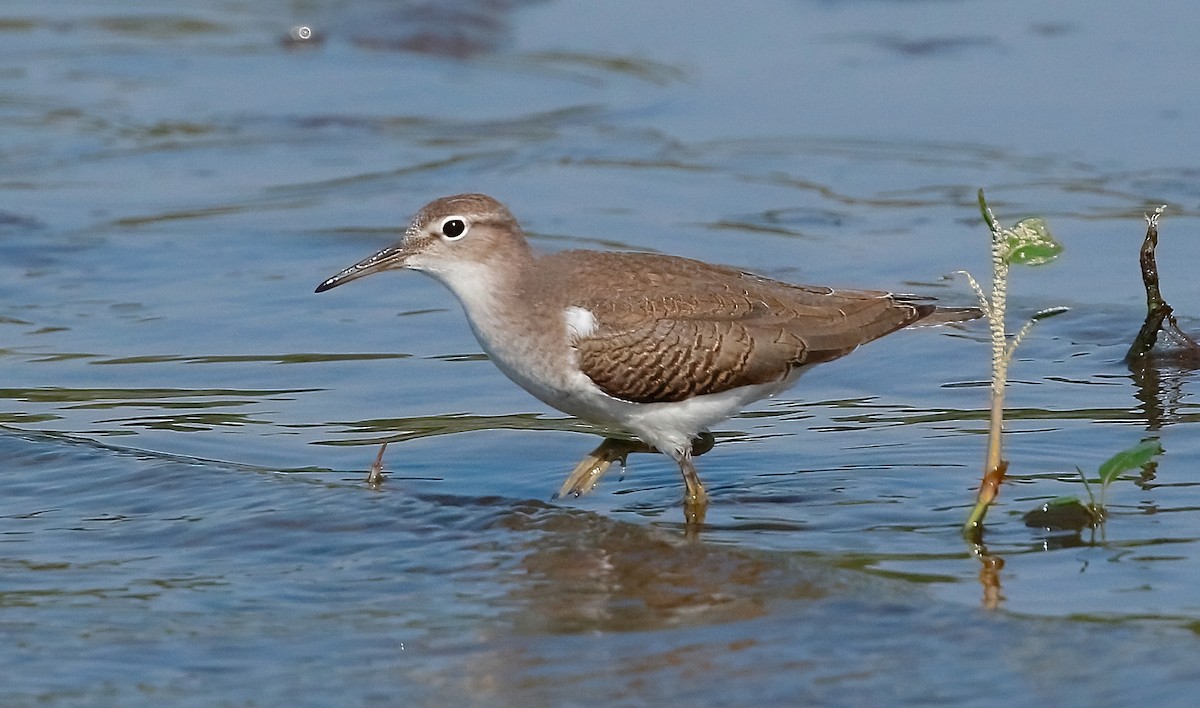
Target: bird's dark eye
(454,228)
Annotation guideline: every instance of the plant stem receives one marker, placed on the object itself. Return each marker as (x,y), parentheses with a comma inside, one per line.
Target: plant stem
(996,313)
(994,465)
(995,427)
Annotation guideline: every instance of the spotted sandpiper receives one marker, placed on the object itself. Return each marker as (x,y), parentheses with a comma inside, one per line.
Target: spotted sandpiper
(660,347)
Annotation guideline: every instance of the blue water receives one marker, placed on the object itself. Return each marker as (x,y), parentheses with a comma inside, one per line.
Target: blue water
(186,427)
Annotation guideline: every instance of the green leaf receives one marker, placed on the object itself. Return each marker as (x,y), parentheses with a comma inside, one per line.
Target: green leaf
(1029,243)
(987,213)
(1133,458)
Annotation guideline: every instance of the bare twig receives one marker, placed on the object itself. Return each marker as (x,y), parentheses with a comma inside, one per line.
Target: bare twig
(1160,316)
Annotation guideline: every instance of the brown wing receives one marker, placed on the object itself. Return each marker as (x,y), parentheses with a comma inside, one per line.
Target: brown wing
(706,329)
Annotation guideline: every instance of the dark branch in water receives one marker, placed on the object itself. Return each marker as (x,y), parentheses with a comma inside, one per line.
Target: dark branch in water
(1159,315)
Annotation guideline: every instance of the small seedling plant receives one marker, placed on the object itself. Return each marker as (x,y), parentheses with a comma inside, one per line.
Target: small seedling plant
(1028,242)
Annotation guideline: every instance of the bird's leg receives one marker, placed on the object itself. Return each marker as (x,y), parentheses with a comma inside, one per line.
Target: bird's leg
(375,475)
(596,463)
(589,471)
(695,500)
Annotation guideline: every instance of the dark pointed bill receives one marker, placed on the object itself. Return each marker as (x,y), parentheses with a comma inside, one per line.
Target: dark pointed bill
(390,257)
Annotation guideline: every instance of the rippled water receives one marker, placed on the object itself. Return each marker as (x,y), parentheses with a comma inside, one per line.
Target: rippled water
(186,427)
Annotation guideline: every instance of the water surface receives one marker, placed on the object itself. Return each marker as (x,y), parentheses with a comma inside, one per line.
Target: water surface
(186,427)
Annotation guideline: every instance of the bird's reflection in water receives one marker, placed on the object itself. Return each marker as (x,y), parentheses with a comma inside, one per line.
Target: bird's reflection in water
(585,572)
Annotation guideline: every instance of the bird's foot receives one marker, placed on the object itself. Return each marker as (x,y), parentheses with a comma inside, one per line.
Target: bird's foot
(593,466)
(588,472)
